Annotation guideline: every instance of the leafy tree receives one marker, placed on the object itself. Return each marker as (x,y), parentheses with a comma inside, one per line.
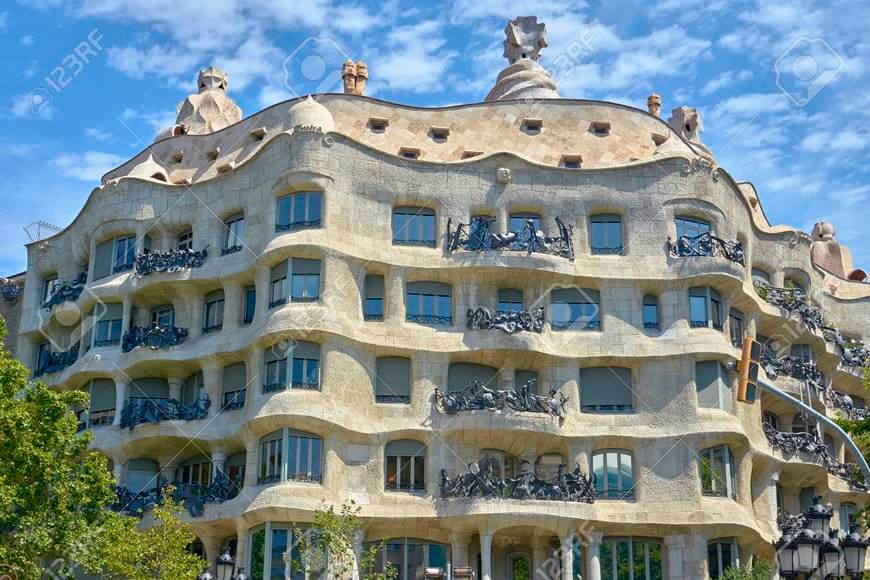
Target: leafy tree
(759,570)
(54,494)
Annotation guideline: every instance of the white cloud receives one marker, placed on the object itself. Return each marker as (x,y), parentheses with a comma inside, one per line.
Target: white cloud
(4,20)
(27,40)
(97,134)
(88,166)
(157,121)
(846,140)
(154,61)
(417,60)
(33,105)
(255,58)
(353,19)
(726,79)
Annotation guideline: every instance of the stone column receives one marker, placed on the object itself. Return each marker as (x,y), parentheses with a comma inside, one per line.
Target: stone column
(771,497)
(119,472)
(568,556)
(251,457)
(212,378)
(675,544)
(459,548)
(122,389)
(486,556)
(212,546)
(195,307)
(242,548)
(175,386)
(695,557)
(167,471)
(218,460)
(127,315)
(594,551)
(359,538)
(394,296)
(506,378)
(261,285)
(743,488)
(256,363)
(539,556)
(233,302)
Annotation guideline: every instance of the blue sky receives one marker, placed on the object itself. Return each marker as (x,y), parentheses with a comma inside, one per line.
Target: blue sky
(783,87)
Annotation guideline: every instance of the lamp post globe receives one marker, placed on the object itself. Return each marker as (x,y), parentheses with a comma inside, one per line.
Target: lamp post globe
(225,565)
(855,551)
(786,556)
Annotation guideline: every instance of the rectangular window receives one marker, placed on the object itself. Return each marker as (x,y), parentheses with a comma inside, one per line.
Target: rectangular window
(605,234)
(163,316)
(574,308)
(691,227)
(48,284)
(713,385)
(277,281)
(717,476)
(373,305)
(510,300)
(518,222)
(305,280)
(606,390)
(107,327)
(414,226)
(721,555)
(429,303)
(735,324)
(650,312)
(705,308)
(392,380)
(614,475)
(250,305)
(124,254)
(214,312)
(234,236)
(630,559)
(803,353)
(299,211)
(185,241)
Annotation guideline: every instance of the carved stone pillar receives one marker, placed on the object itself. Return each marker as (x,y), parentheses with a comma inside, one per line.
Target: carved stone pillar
(539,556)
(241,547)
(122,388)
(594,550)
(250,463)
(459,548)
(568,556)
(675,545)
(255,369)
(233,301)
(119,471)
(359,538)
(212,378)
(127,315)
(486,556)
(261,286)
(212,546)
(218,460)
(394,296)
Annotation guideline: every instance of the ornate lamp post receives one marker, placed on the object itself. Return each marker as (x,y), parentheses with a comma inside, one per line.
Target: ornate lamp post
(225,565)
(807,544)
(818,517)
(855,550)
(830,560)
(785,553)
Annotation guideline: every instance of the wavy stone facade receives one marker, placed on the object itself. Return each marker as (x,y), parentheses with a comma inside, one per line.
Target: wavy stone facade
(660,510)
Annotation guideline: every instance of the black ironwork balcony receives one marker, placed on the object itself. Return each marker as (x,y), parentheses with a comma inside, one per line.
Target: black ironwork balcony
(811,444)
(578,324)
(154,337)
(414,242)
(10,292)
(853,353)
(480,481)
(792,300)
(275,387)
(101,418)
(477,396)
(231,250)
(300,225)
(193,496)
(844,403)
(170,261)
(139,410)
(430,319)
(706,245)
(786,520)
(478,236)
(53,362)
(511,322)
(606,250)
(107,342)
(302,477)
(233,400)
(68,291)
(794,367)
(651,325)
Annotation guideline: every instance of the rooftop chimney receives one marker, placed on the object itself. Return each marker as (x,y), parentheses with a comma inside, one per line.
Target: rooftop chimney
(354,75)
(654,104)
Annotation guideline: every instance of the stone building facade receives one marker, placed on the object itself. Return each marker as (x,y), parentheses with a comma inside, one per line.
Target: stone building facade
(506,330)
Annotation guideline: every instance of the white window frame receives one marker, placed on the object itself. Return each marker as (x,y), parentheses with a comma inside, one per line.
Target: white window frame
(730,484)
(734,552)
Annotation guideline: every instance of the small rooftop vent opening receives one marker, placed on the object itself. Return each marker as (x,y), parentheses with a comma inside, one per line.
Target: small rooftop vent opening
(378,124)
(214,153)
(439,134)
(532,126)
(225,167)
(571,161)
(160,177)
(600,128)
(467,154)
(258,133)
(659,139)
(409,153)
(178,156)
(180,129)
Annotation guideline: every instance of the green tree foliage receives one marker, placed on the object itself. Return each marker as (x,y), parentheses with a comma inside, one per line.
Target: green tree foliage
(54,494)
(759,570)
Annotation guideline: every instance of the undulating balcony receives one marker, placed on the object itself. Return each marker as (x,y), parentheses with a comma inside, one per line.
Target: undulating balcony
(173,260)
(141,410)
(844,403)
(477,397)
(154,336)
(707,245)
(792,300)
(478,236)
(794,367)
(67,291)
(810,444)
(480,481)
(193,496)
(54,362)
(511,321)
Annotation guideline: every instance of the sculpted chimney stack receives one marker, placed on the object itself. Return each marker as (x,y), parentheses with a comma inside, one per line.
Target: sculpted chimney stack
(354,75)
(654,105)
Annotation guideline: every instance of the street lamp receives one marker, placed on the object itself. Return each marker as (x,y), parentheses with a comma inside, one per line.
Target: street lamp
(818,517)
(225,565)
(831,557)
(785,553)
(205,576)
(807,544)
(855,550)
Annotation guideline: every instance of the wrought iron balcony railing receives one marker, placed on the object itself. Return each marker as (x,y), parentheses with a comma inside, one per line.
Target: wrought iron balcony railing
(295,385)
(480,481)
(295,477)
(169,261)
(430,319)
(853,353)
(578,324)
(844,403)
(706,245)
(140,410)
(794,367)
(510,322)
(68,291)
(811,444)
(300,225)
(231,250)
(192,495)
(212,329)
(394,399)
(154,336)
(53,362)
(101,418)
(10,292)
(792,300)
(477,396)
(233,400)
(786,520)
(478,236)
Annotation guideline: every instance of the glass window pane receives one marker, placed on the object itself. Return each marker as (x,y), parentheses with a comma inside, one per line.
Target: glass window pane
(314,204)
(607,561)
(279,546)
(429,307)
(614,234)
(428,228)
(299,207)
(639,560)
(698,309)
(258,553)
(623,560)
(284,210)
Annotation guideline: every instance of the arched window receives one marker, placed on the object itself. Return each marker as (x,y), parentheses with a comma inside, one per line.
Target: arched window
(705,308)
(691,227)
(290,455)
(149,388)
(503,465)
(298,211)
(405,466)
(234,468)
(717,472)
(429,303)
(392,379)
(650,312)
(614,474)
(759,275)
(605,234)
(575,308)
(510,300)
(606,390)
(413,226)
(193,389)
(194,471)
(631,559)
(461,375)
(163,315)
(771,420)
